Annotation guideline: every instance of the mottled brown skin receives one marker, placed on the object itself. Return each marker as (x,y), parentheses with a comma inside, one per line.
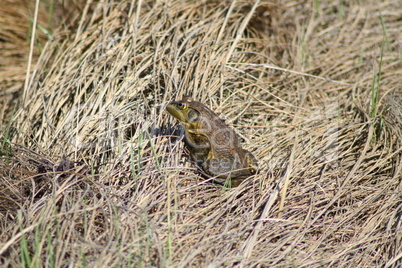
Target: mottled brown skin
(213,146)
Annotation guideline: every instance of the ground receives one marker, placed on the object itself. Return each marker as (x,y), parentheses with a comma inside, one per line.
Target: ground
(93,171)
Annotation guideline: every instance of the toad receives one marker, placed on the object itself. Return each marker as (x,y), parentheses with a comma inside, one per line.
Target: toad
(213,146)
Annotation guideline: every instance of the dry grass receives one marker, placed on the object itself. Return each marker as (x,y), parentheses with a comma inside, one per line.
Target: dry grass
(93,172)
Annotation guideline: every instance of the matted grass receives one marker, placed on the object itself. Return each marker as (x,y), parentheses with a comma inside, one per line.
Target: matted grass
(94,173)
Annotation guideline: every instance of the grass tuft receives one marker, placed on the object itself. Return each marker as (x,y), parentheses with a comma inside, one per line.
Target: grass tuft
(94,173)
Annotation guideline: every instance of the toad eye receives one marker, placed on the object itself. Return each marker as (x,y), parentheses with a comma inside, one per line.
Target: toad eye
(193,115)
(182,106)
